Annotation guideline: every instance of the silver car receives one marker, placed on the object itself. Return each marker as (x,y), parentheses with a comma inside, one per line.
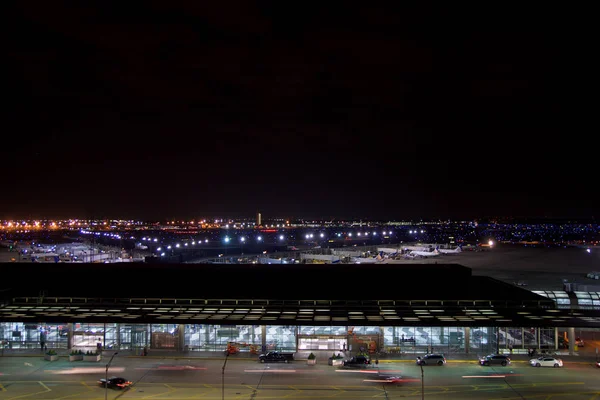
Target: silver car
(546,362)
(431,359)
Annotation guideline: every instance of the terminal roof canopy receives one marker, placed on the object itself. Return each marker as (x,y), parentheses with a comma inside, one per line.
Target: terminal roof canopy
(364,294)
(258,281)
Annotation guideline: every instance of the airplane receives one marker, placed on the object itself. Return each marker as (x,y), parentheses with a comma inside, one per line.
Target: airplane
(457,250)
(426,247)
(424,254)
(367,260)
(387,250)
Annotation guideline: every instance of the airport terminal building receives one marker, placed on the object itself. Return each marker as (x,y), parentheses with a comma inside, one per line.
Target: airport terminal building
(387,308)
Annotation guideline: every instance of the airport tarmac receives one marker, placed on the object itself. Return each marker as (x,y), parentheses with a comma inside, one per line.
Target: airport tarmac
(539,268)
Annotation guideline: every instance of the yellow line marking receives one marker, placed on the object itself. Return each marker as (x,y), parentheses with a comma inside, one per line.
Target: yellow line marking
(89,389)
(171,390)
(47,389)
(2,389)
(74,394)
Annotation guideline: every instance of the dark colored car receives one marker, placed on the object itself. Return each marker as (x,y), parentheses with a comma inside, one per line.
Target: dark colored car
(429,359)
(495,359)
(357,361)
(115,382)
(275,356)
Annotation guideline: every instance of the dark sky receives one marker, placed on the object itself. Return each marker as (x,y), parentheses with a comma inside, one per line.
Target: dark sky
(163,109)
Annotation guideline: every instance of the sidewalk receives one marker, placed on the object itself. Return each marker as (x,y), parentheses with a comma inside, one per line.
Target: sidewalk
(300,355)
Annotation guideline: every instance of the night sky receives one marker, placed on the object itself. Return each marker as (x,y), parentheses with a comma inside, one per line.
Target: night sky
(160,109)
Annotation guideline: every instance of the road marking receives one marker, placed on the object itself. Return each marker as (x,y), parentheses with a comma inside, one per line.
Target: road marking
(32,394)
(171,390)
(74,394)
(484,376)
(271,370)
(2,389)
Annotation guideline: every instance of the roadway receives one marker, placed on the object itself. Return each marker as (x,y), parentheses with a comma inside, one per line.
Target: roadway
(179,378)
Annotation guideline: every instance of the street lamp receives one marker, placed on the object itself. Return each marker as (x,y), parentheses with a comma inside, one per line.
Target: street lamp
(106,376)
(223,375)
(422,381)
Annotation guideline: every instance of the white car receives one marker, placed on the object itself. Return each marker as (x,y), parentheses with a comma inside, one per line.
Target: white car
(546,362)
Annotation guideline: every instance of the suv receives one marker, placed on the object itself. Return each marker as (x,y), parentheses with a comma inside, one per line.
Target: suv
(357,361)
(495,359)
(438,359)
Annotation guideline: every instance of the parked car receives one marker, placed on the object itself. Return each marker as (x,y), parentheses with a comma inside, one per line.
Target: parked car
(598,364)
(437,359)
(495,359)
(546,362)
(115,382)
(275,356)
(357,361)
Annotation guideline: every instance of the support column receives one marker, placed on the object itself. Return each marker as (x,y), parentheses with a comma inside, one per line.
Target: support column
(538,333)
(263,338)
(555,339)
(181,337)
(571,333)
(118,335)
(522,337)
(467,339)
(70,335)
(207,329)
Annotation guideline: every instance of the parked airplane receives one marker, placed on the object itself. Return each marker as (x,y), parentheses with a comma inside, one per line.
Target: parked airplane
(367,260)
(424,247)
(387,250)
(424,254)
(457,250)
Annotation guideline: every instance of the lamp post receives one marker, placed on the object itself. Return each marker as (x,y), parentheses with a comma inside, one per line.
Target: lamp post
(223,376)
(106,376)
(422,382)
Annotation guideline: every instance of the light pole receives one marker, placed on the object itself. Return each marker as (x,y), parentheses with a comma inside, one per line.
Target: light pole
(422,381)
(223,376)
(106,376)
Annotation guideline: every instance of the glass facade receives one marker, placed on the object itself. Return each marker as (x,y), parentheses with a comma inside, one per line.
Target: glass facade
(216,337)
(19,335)
(561,298)
(258,338)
